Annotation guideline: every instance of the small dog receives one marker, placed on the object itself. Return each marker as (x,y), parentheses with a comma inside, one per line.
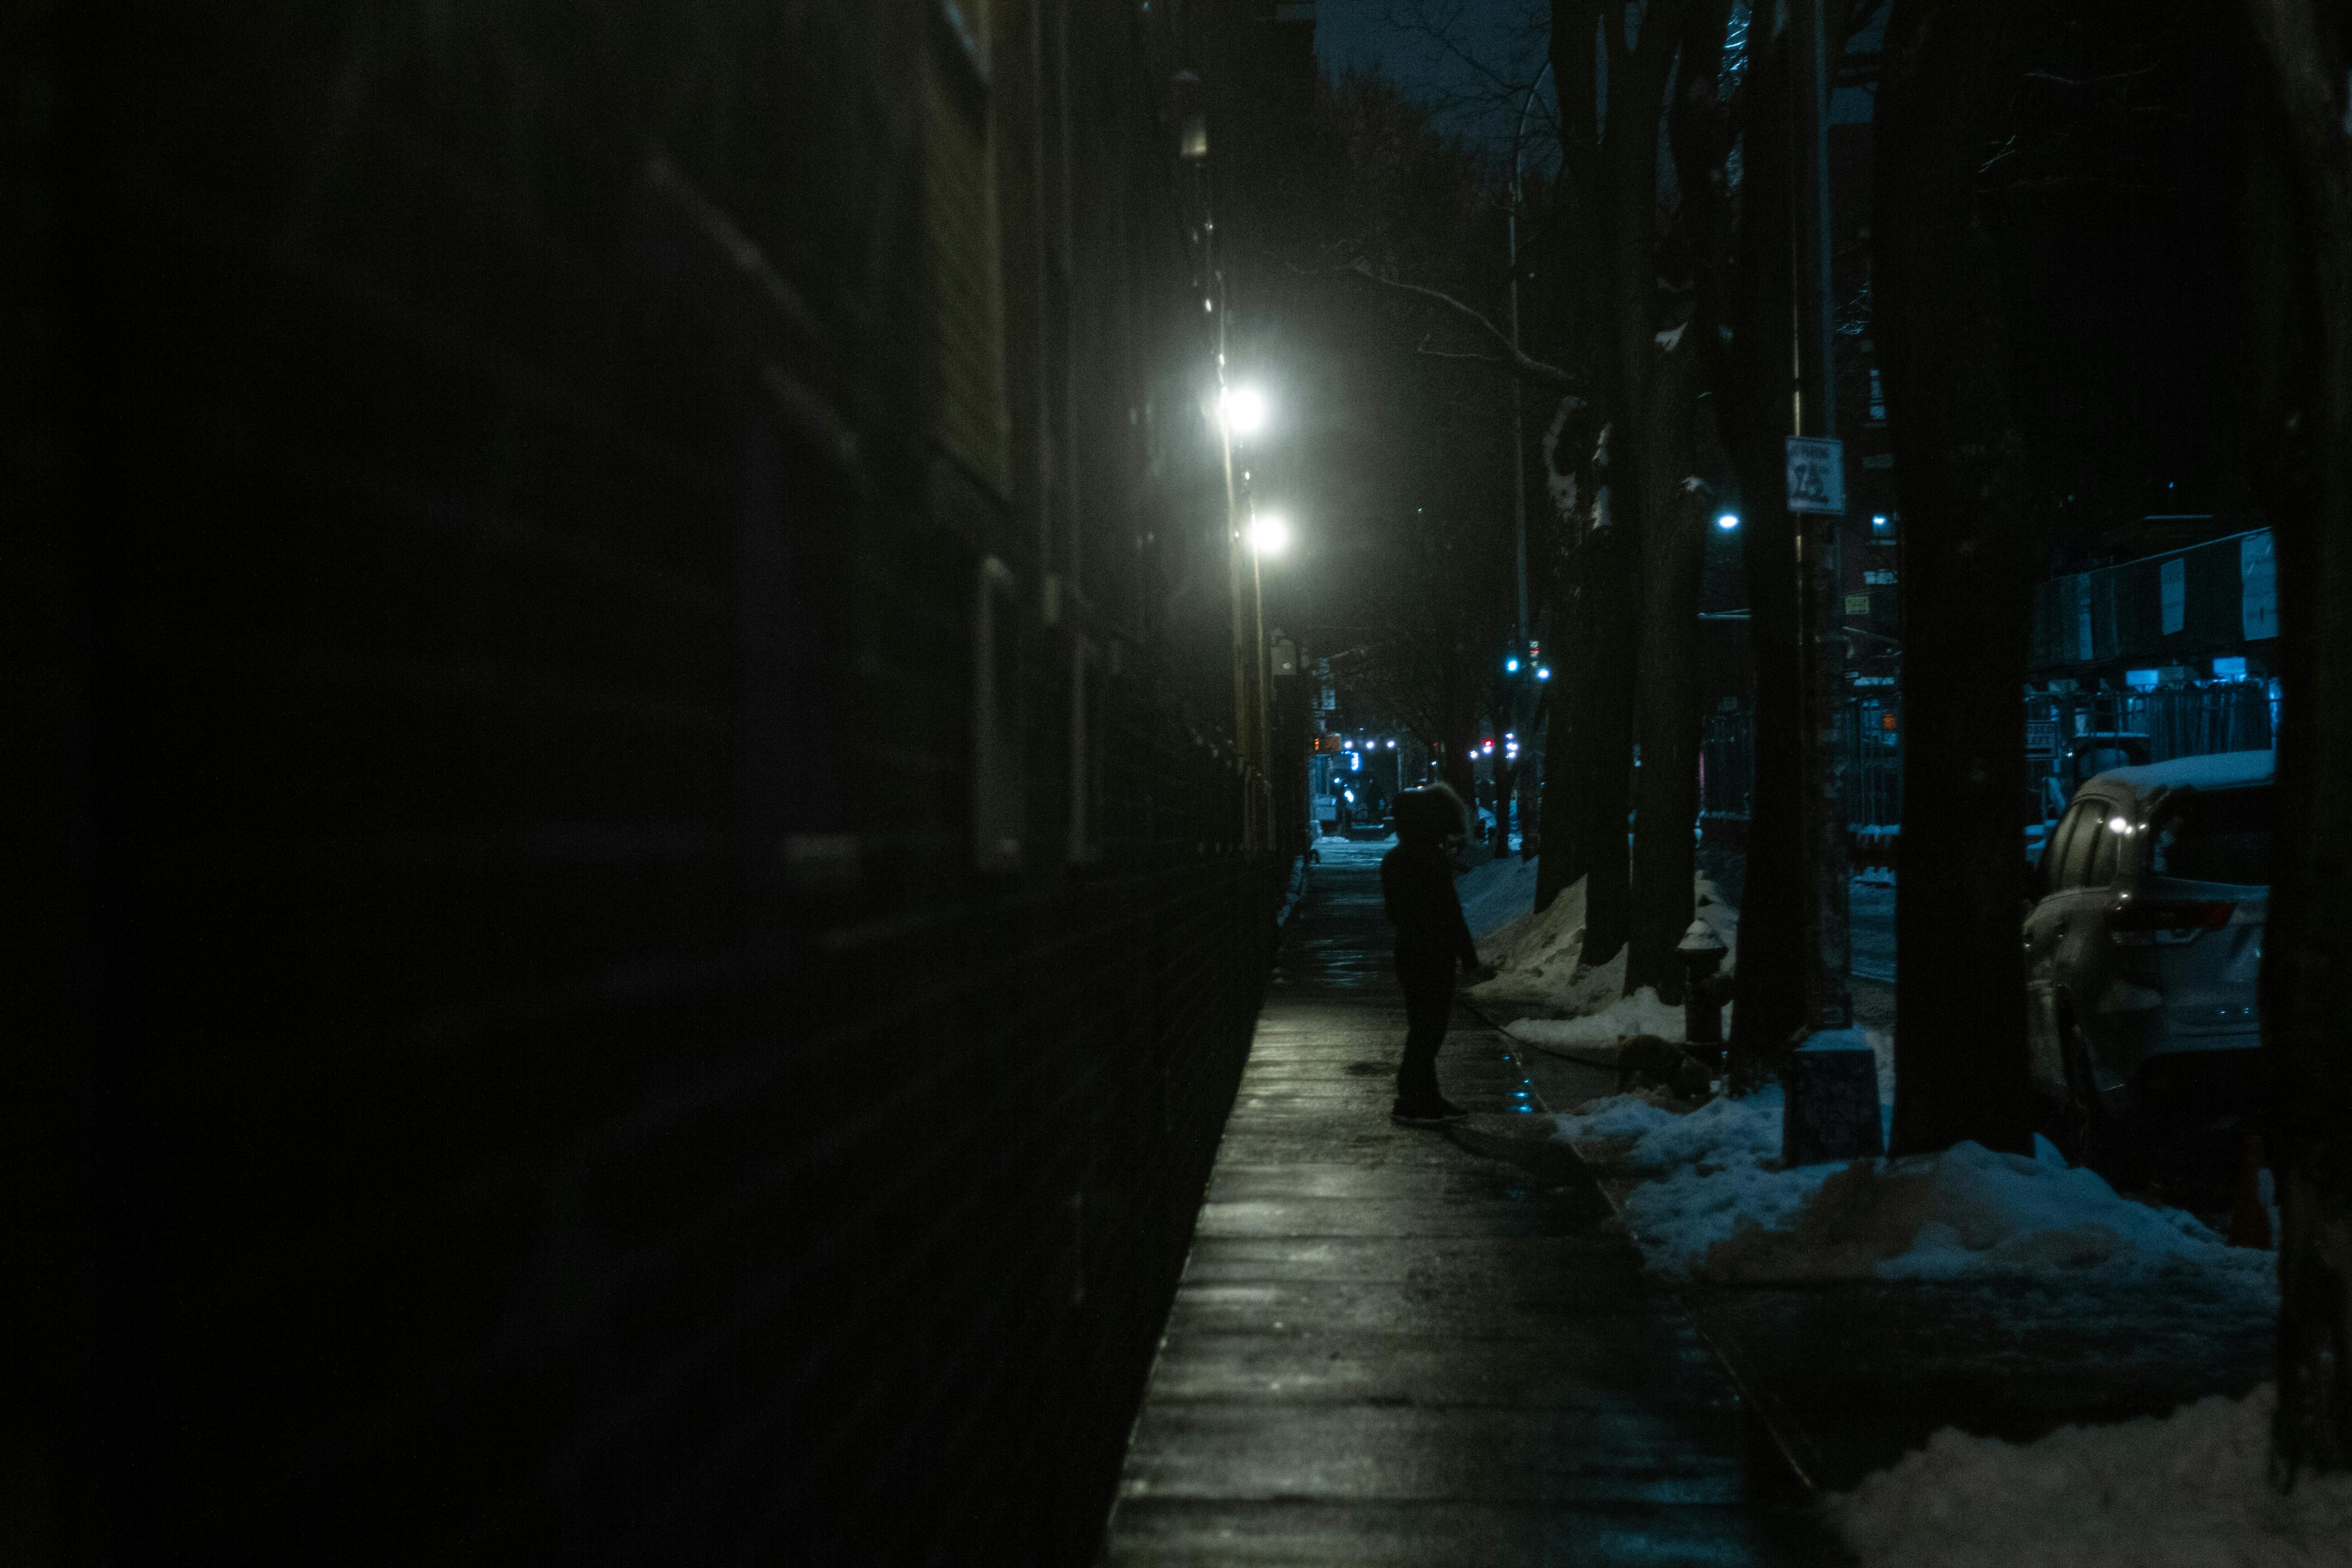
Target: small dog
(1645,1061)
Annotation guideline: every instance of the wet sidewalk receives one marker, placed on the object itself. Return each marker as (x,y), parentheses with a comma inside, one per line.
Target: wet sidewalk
(1407,1346)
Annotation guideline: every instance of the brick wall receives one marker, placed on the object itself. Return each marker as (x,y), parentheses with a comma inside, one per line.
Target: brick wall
(552,1080)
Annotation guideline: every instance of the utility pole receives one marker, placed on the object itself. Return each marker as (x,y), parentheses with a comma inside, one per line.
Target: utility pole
(1820,587)
(1244,614)
(1262,793)
(1250,726)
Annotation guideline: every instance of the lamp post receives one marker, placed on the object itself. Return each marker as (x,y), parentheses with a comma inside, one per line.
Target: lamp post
(1268,535)
(1241,411)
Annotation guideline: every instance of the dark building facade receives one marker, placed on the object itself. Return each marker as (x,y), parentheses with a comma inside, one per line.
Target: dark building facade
(643,901)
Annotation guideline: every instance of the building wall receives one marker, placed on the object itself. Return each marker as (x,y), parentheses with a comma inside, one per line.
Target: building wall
(667,935)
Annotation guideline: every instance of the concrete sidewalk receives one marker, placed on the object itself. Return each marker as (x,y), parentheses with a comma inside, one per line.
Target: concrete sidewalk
(1399,1346)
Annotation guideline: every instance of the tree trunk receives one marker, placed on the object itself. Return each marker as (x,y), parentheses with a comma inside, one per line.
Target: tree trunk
(1454,767)
(1530,820)
(2300,204)
(1970,550)
(1674,539)
(1566,848)
(1504,775)
(1610,183)
(1673,545)
(1769,981)
(1654,385)
(1603,761)
(1745,284)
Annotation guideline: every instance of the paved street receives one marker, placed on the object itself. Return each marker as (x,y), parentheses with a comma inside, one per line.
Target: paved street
(1401,1346)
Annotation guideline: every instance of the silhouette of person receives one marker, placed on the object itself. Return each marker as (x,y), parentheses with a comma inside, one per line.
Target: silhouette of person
(1417,891)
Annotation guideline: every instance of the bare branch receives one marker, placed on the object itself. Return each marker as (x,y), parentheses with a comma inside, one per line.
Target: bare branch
(1423,350)
(1527,369)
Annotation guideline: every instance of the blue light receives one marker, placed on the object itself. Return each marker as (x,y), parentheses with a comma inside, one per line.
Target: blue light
(1543,673)
(1727,521)
(1510,666)
(1355,761)
(2227,669)
(2142,679)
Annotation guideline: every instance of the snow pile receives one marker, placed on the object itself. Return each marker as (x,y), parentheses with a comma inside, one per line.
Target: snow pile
(1639,1014)
(2190,1491)
(1496,894)
(1970,1213)
(1620,1116)
(1715,1201)
(1537,951)
(1711,1175)
(1540,955)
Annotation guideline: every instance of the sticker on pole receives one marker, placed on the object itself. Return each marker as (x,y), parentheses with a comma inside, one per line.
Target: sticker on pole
(1816,474)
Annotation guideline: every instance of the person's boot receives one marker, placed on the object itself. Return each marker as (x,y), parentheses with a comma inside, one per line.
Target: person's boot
(1434,1111)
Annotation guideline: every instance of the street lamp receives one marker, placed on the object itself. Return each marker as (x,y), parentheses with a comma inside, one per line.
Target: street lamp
(1268,535)
(1243,408)
(1728,520)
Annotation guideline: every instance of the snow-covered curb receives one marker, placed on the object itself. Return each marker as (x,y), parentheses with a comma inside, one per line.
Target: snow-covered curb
(2190,1491)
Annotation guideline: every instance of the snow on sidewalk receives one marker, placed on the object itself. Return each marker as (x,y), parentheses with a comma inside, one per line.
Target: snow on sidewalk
(1711,1204)
(1713,1201)
(2190,1491)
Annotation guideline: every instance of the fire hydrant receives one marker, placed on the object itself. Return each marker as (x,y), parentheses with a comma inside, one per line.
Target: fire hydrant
(1704,990)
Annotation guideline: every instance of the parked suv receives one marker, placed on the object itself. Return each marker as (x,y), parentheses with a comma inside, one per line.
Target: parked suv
(2141,958)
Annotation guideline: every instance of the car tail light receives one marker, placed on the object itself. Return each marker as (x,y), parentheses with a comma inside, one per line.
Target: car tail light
(2168,919)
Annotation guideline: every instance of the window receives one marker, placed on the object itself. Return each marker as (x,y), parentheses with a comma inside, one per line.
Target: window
(2215,836)
(998,789)
(966,253)
(1084,846)
(2055,849)
(2077,839)
(2108,840)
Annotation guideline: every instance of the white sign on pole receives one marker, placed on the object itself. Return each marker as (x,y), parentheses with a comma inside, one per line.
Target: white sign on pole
(1816,474)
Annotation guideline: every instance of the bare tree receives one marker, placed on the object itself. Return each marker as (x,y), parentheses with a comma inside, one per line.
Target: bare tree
(1390,230)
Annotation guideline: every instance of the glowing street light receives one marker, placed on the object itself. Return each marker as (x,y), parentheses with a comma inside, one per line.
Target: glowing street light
(1728,520)
(1243,408)
(1268,535)
(1544,673)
